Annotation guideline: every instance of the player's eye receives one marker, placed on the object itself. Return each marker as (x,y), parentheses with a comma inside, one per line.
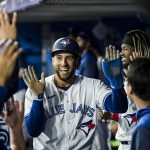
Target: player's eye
(58,57)
(70,58)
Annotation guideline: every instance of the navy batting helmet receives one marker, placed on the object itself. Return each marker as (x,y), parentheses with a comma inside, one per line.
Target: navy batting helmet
(66,44)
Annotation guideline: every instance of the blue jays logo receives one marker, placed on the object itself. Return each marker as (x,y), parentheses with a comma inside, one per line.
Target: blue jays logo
(86,127)
(131,118)
(65,42)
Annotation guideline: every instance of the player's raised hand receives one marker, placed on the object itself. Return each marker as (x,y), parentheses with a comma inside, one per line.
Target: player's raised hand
(111,53)
(134,56)
(9,53)
(13,113)
(31,80)
(7,26)
(13,116)
(112,67)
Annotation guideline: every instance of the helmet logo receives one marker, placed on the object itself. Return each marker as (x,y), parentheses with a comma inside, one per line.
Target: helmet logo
(65,42)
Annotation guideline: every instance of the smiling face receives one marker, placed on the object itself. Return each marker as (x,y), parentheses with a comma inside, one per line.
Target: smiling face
(65,65)
(125,53)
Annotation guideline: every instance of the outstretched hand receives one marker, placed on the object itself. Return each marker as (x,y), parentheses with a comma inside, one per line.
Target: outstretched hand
(7,27)
(111,53)
(112,67)
(13,114)
(9,53)
(32,82)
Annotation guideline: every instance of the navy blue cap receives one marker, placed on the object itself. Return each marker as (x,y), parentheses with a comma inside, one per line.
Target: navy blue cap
(66,44)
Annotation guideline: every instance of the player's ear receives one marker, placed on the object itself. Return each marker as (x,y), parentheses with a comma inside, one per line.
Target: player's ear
(53,60)
(130,91)
(127,87)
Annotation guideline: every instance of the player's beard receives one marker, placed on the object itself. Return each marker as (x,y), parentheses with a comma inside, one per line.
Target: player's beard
(65,77)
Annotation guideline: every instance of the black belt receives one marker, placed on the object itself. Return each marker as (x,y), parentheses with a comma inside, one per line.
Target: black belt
(125,142)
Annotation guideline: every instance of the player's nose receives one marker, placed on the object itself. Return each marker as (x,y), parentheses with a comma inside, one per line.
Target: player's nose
(64,62)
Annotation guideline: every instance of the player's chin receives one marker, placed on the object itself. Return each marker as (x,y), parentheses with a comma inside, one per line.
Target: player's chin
(125,62)
(65,76)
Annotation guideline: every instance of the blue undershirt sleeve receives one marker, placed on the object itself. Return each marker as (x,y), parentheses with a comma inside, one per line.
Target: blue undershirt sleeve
(35,120)
(116,102)
(3,95)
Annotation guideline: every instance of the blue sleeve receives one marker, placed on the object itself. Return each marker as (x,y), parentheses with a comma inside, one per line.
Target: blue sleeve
(140,139)
(35,120)
(117,101)
(12,83)
(3,95)
(10,87)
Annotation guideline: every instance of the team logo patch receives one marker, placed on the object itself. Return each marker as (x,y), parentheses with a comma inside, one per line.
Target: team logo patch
(86,127)
(130,119)
(65,42)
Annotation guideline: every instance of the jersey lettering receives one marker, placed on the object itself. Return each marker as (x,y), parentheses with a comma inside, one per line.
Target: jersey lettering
(86,110)
(59,109)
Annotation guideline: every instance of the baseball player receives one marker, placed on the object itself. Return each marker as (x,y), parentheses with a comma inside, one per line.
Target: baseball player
(60,110)
(139,74)
(135,44)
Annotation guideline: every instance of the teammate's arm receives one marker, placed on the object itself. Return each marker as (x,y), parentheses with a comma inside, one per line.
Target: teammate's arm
(8,31)
(8,58)
(116,102)
(35,119)
(112,68)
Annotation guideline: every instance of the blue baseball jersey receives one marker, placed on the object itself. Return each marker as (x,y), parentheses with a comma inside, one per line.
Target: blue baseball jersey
(141,134)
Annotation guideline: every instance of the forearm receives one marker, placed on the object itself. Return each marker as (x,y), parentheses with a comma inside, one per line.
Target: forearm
(17,140)
(116,102)
(35,120)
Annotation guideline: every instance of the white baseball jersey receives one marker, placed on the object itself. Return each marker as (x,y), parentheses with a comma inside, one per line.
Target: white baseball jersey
(126,125)
(70,115)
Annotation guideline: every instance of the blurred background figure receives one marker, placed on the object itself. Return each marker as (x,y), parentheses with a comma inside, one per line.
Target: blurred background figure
(88,66)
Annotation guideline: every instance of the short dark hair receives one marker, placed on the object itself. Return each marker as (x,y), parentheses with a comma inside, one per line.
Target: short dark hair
(138,77)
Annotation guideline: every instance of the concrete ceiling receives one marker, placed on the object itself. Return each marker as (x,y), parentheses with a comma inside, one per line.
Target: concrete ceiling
(64,10)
